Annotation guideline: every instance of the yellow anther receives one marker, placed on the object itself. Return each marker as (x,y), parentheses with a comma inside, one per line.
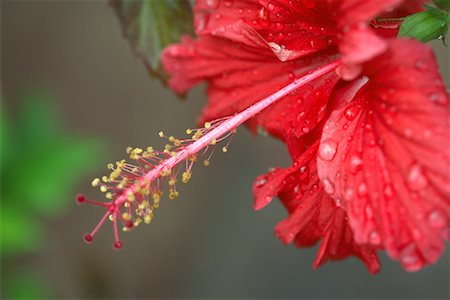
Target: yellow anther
(135,153)
(129,149)
(197,135)
(156,198)
(165,173)
(121,164)
(111,218)
(147,154)
(207,125)
(177,142)
(213,142)
(171,138)
(150,149)
(127,204)
(167,147)
(95,182)
(114,174)
(137,222)
(206,162)
(173,195)
(161,134)
(173,153)
(103,189)
(108,196)
(130,196)
(145,191)
(172,181)
(110,166)
(125,229)
(105,179)
(186,176)
(224,149)
(147,219)
(126,216)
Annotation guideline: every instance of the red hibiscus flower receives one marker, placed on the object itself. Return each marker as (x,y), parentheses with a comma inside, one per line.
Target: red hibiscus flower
(369,184)
(371,157)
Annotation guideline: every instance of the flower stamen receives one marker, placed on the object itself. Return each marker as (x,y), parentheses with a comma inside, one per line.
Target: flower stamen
(135,189)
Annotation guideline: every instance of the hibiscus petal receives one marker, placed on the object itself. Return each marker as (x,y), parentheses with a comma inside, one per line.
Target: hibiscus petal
(240,75)
(313,215)
(386,154)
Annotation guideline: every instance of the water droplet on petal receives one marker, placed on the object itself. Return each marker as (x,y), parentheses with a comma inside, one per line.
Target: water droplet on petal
(362,190)
(355,164)
(409,257)
(420,65)
(270,6)
(436,219)
(328,186)
(263,16)
(351,112)
(374,238)
(212,3)
(227,3)
(260,182)
(389,191)
(416,179)
(437,98)
(328,149)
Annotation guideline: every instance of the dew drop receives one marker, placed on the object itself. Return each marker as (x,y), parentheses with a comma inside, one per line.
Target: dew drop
(437,98)
(328,149)
(362,190)
(420,65)
(409,257)
(263,16)
(228,3)
(351,112)
(338,202)
(260,182)
(416,179)
(270,6)
(328,186)
(436,219)
(212,3)
(355,164)
(389,191)
(374,238)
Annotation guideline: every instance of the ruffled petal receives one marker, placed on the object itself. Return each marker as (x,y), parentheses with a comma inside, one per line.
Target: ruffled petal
(313,215)
(240,75)
(385,154)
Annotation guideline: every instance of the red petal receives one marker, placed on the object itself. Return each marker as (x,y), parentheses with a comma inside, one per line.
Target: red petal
(241,75)
(386,154)
(312,213)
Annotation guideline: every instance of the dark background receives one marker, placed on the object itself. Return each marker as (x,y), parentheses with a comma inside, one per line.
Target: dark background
(209,243)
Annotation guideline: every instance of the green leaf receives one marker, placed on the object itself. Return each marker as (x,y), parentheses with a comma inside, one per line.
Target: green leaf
(152,25)
(425,26)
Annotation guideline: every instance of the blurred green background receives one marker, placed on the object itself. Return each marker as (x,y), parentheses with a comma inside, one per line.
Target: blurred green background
(73,97)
